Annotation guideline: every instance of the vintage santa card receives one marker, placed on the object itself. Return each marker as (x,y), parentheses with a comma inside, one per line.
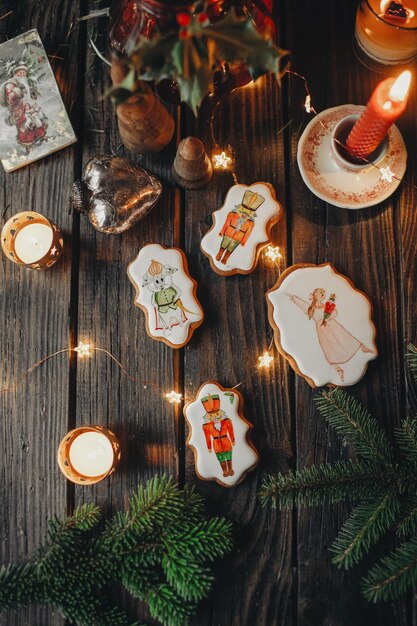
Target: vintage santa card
(33,119)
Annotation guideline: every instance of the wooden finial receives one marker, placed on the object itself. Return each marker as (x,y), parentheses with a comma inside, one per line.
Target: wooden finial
(192,168)
(144,123)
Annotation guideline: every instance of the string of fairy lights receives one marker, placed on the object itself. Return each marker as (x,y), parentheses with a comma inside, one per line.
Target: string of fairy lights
(86,350)
(222,159)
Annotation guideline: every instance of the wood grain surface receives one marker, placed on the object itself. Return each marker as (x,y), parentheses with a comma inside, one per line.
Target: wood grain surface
(280,571)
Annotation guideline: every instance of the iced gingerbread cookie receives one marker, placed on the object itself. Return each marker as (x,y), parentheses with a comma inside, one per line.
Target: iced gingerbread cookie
(166,293)
(322,324)
(241,228)
(219,435)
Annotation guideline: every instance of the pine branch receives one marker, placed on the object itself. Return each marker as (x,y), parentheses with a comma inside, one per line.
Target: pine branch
(167,607)
(189,579)
(363,528)
(200,541)
(408,523)
(406,437)
(412,359)
(17,584)
(393,575)
(155,504)
(343,480)
(160,550)
(355,424)
(84,518)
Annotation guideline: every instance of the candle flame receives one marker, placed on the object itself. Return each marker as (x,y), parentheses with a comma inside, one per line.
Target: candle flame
(399,89)
(385,4)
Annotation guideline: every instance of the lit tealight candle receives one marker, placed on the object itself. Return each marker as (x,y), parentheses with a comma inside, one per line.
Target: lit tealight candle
(31,240)
(88,454)
(385,106)
(386,32)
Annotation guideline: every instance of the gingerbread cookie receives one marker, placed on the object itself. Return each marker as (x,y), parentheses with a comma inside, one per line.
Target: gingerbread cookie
(166,293)
(322,324)
(219,435)
(241,228)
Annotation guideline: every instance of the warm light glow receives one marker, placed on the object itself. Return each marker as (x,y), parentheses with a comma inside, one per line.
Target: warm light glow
(83,349)
(385,4)
(386,174)
(173,397)
(399,90)
(265,360)
(273,253)
(222,160)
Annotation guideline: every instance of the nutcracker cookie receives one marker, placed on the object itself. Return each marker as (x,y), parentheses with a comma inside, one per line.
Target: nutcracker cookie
(322,324)
(166,293)
(241,228)
(219,435)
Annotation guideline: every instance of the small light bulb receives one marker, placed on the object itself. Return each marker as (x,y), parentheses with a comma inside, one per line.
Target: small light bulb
(221,160)
(386,174)
(273,253)
(173,397)
(265,360)
(83,349)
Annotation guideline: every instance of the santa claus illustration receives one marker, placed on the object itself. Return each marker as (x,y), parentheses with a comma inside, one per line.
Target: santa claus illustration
(19,96)
(219,434)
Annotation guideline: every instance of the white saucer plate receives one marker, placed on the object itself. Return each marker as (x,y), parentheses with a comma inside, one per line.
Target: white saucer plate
(330,181)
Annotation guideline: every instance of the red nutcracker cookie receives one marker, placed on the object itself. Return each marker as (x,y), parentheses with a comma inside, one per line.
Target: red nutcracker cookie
(241,228)
(219,435)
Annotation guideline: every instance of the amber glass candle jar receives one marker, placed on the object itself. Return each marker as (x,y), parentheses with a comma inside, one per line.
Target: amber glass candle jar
(386,33)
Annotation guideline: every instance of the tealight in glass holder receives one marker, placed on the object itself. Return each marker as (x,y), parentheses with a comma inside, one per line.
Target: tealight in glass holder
(88,454)
(386,33)
(31,240)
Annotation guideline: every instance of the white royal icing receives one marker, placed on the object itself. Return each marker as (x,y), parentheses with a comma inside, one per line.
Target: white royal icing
(166,291)
(243,257)
(332,353)
(208,465)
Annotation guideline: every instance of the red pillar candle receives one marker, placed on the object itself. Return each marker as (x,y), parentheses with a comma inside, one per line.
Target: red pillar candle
(386,104)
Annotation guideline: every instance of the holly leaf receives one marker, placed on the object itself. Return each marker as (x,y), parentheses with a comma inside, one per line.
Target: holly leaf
(193,74)
(238,40)
(191,61)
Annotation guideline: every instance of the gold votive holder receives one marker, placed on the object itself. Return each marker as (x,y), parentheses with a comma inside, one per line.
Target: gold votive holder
(88,454)
(31,240)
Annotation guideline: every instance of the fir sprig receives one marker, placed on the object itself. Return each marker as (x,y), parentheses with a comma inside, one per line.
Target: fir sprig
(160,549)
(382,481)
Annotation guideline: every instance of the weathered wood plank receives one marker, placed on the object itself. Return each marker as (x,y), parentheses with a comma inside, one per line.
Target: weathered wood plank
(363,246)
(35,321)
(142,418)
(254,585)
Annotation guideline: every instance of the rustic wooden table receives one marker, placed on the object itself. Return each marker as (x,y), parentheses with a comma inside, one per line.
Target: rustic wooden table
(280,572)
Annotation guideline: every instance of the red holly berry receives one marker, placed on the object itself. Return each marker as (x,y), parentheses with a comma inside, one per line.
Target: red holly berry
(183,19)
(183,34)
(203,18)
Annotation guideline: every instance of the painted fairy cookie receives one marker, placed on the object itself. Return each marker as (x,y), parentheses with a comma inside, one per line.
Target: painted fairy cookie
(166,293)
(241,228)
(219,435)
(323,325)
